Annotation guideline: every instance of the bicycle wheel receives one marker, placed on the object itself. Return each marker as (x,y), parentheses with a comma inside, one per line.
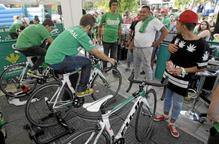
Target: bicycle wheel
(88,136)
(144,118)
(40,112)
(14,83)
(108,83)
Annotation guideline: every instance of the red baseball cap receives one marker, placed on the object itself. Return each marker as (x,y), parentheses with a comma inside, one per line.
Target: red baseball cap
(188,16)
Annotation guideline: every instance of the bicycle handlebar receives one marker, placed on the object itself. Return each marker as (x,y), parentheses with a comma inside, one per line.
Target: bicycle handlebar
(96,60)
(144,82)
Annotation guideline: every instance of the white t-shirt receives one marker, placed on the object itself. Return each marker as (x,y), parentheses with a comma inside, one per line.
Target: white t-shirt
(147,38)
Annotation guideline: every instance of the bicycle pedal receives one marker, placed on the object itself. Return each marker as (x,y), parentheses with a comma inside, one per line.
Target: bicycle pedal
(77,102)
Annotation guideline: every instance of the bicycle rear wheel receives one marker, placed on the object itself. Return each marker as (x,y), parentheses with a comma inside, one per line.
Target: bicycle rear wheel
(108,83)
(144,118)
(39,109)
(88,136)
(13,84)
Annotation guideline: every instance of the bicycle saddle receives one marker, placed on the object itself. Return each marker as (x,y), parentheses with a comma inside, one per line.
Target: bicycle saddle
(95,106)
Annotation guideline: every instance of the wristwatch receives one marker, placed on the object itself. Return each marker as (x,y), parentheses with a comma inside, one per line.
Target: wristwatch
(183,72)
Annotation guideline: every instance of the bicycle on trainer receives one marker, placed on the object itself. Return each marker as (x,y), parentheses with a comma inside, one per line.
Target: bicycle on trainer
(49,104)
(144,103)
(18,81)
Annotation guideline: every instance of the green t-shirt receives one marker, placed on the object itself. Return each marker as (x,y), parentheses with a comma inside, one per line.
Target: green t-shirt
(33,35)
(166,21)
(67,44)
(112,23)
(14,27)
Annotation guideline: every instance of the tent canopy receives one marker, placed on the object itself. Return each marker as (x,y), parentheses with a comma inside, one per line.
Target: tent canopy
(29,1)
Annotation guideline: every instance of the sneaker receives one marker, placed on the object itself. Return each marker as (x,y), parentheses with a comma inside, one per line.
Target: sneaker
(173,130)
(159,118)
(33,73)
(142,73)
(88,91)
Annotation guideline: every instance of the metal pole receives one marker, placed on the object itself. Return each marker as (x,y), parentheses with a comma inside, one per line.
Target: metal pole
(217,24)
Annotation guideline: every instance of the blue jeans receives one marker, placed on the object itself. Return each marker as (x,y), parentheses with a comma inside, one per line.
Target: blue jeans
(175,100)
(72,63)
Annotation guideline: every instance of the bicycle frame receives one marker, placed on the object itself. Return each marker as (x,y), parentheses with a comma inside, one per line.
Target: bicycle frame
(28,63)
(58,104)
(105,124)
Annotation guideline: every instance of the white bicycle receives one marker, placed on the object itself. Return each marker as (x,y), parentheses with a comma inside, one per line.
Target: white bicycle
(145,105)
(49,104)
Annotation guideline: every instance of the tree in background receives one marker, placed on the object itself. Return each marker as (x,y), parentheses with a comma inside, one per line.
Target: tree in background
(88,5)
(128,5)
(124,5)
(182,4)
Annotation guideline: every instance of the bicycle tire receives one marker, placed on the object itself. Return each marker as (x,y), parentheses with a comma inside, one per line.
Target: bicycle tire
(82,136)
(10,82)
(108,86)
(144,117)
(40,113)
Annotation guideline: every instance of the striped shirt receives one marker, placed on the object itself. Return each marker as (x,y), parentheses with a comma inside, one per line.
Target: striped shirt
(190,53)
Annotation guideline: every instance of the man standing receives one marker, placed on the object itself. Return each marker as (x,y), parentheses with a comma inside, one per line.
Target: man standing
(110,25)
(166,19)
(145,31)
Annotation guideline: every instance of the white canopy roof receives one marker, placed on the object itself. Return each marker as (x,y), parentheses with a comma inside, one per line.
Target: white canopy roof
(29,1)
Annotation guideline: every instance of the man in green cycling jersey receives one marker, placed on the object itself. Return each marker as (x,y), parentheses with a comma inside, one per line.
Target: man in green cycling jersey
(31,41)
(62,54)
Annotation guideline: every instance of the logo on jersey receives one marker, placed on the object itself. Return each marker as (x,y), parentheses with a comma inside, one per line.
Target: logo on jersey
(112,22)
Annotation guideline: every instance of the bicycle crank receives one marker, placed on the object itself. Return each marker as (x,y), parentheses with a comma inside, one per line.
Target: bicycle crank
(120,141)
(78,102)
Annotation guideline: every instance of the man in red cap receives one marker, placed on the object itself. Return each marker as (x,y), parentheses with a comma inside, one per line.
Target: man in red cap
(188,56)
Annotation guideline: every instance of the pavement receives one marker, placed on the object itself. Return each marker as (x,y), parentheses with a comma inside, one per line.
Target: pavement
(190,129)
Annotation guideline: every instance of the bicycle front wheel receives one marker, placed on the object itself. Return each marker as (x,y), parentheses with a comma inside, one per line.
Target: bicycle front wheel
(107,83)
(39,108)
(15,82)
(144,118)
(88,136)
